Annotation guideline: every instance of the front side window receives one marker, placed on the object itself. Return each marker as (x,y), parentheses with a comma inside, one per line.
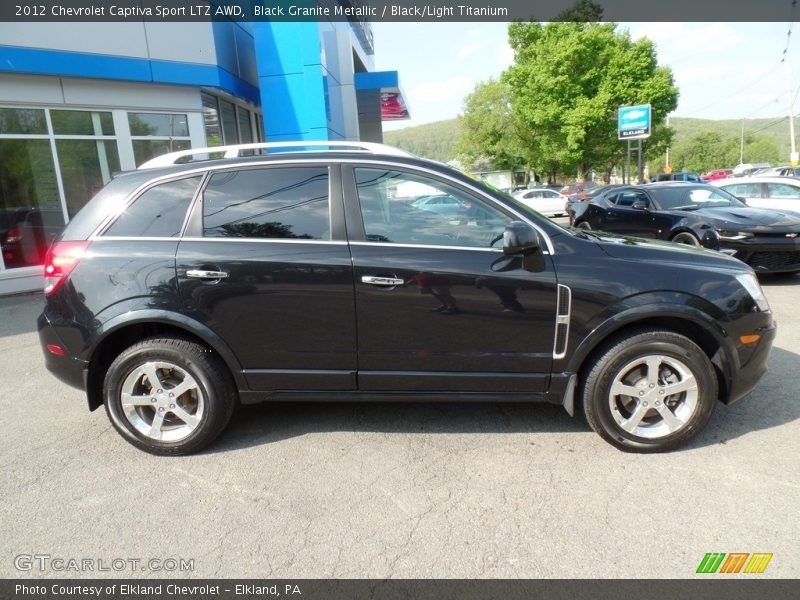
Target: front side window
(272,203)
(392,211)
(629,198)
(744,190)
(158,212)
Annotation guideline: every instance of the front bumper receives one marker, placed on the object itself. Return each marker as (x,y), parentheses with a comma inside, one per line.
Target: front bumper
(766,254)
(753,365)
(68,369)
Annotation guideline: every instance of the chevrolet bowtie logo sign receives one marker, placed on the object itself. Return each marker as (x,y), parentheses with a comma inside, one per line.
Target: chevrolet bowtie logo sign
(734,562)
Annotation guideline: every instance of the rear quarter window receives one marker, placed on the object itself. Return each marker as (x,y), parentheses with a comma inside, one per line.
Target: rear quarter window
(158,212)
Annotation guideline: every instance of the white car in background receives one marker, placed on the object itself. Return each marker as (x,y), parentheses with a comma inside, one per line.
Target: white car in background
(782,193)
(543,200)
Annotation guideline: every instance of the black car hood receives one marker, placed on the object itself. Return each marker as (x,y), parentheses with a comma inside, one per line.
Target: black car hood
(748,218)
(632,248)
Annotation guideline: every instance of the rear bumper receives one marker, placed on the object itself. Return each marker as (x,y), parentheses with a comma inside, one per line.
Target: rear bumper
(66,368)
(750,372)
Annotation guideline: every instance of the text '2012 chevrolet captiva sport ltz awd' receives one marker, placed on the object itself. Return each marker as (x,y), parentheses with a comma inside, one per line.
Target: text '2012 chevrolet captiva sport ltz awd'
(315,272)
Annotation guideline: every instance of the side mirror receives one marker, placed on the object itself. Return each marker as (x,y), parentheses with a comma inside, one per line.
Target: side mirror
(710,240)
(520,238)
(640,205)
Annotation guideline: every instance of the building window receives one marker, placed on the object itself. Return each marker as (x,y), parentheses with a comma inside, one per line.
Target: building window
(154,134)
(52,161)
(211,120)
(245,128)
(29,199)
(260,127)
(230,132)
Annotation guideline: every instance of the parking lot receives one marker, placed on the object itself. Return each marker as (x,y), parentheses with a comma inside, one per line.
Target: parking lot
(401,491)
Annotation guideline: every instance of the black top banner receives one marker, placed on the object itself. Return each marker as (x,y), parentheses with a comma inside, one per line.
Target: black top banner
(398,10)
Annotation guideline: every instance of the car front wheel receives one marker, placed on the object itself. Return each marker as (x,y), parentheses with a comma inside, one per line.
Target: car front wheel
(649,392)
(169,395)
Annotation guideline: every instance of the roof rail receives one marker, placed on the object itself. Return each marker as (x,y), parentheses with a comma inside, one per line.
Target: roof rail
(172,158)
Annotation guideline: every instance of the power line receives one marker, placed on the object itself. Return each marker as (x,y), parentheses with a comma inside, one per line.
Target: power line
(778,121)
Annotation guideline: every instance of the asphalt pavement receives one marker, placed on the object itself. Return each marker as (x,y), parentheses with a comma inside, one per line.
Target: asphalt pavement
(400,491)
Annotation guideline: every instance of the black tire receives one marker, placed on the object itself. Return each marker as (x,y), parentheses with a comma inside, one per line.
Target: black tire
(212,389)
(583,225)
(684,237)
(605,412)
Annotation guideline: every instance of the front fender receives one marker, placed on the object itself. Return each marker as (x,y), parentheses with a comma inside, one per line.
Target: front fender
(685,308)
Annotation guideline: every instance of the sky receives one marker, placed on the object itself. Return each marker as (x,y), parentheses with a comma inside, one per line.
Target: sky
(723,70)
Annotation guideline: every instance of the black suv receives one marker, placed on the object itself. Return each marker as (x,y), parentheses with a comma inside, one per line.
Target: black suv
(185,288)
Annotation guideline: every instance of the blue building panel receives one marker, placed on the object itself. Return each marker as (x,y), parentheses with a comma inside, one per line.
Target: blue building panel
(36,61)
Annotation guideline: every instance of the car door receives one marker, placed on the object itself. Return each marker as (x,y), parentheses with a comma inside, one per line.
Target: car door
(265,265)
(623,218)
(439,307)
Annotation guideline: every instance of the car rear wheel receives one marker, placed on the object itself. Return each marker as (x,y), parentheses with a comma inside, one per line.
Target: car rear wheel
(649,392)
(169,395)
(686,238)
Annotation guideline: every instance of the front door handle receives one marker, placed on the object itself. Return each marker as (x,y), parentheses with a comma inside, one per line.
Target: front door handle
(382,281)
(199,274)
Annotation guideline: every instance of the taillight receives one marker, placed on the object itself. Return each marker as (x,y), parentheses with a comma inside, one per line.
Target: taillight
(61,259)
(14,235)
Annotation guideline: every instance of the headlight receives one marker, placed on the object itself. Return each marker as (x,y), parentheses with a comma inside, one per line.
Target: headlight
(734,235)
(750,283)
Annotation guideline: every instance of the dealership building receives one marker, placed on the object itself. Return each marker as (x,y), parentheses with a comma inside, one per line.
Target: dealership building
(82,101)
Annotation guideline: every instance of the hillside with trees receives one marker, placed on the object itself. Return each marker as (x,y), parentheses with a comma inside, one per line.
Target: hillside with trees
(766,140)
(436,141)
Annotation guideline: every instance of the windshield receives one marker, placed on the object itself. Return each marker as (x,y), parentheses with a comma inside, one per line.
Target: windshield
(694,198)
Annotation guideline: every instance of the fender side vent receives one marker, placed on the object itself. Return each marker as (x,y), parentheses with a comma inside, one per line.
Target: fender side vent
(563,310)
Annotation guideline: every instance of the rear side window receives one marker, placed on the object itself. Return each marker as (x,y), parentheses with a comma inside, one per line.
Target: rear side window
(158,212)
(286,202)
(782,190)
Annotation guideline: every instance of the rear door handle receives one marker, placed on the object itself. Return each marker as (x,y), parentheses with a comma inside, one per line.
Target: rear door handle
(198,274)
(382,281)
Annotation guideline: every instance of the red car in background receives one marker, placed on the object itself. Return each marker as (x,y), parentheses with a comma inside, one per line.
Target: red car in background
(578,191)
(718,174)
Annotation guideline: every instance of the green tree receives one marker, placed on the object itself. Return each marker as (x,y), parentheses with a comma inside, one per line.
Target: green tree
(704,151)
(569,79)
(707,150)
(488,129)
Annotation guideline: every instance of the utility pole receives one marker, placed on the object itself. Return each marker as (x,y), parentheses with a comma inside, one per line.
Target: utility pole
(793,156)
(741,144)
(666,161)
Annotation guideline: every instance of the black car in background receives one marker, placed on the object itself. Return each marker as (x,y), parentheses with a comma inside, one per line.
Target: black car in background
(698,214)
(186,288)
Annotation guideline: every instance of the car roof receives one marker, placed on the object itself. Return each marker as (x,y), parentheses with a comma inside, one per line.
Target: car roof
(282,157)
(759,179)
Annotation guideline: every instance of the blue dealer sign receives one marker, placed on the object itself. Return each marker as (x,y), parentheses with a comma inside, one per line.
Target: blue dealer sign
(633,122)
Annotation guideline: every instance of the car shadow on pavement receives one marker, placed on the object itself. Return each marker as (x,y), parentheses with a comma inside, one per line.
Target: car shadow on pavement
(272,422)
(773,403)
(18,313)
